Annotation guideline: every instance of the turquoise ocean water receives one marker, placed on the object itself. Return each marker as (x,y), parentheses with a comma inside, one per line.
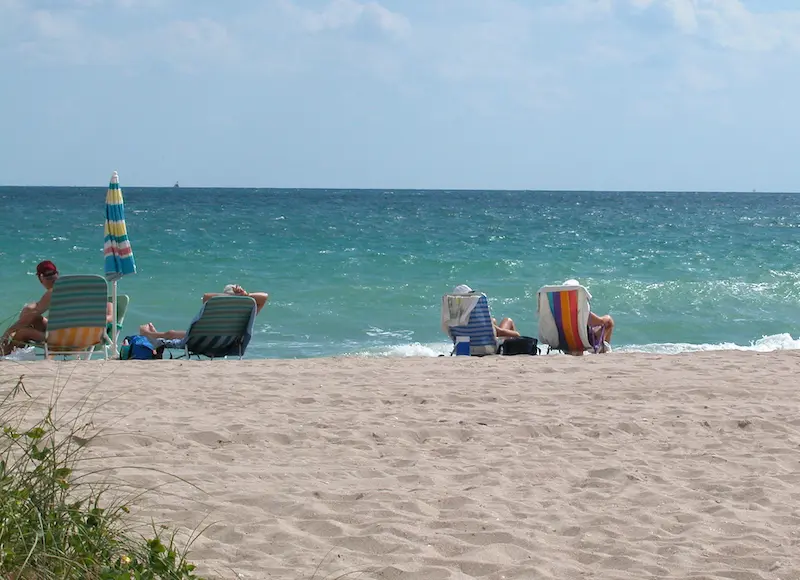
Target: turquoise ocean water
(362,272)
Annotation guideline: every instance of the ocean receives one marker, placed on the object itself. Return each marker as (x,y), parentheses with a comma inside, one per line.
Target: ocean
(362,272)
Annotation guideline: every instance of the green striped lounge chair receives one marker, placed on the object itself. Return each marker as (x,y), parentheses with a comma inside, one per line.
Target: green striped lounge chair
(222,328)
(468,315)
(76,322)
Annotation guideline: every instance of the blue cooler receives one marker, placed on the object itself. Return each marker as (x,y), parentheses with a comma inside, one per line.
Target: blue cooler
(462,345)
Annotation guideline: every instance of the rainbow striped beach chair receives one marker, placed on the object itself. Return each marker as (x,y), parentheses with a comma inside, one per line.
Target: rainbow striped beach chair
(564,319)
(223,327)
(469,315)
(76,322)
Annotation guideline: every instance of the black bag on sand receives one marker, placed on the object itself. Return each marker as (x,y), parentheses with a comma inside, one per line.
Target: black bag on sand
(521,345)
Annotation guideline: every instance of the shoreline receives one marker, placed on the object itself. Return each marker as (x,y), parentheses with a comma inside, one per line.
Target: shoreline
(615,466)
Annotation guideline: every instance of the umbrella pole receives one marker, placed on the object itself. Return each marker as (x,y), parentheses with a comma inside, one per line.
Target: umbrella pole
(114,319)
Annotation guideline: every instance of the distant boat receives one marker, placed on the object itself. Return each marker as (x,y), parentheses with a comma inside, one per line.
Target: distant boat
(176,184)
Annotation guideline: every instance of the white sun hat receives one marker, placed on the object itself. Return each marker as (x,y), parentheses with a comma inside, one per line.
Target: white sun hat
(574,282)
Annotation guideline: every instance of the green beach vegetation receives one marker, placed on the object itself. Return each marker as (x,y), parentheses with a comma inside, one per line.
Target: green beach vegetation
(56,523)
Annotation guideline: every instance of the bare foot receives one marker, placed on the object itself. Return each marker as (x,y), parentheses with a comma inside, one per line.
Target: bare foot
(7,344)
(147,328)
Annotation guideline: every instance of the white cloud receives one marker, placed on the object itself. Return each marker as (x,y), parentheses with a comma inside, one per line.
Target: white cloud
(51,25)
(730,24)
(541,54)
(388,20)
(339,14)
(684,14)
(579,10)
(193,45)
(52,37)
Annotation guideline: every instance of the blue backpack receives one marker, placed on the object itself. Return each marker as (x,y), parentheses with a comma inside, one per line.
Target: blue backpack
(137,347)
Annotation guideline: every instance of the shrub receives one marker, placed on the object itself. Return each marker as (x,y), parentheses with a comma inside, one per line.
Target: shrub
(55,526)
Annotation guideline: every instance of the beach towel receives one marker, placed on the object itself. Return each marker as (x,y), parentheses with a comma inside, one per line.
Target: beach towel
(457,308)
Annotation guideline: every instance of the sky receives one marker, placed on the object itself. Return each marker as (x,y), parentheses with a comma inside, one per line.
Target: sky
(652,95)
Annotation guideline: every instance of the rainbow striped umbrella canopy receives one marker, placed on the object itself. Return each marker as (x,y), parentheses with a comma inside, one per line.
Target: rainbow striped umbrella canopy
(116,247)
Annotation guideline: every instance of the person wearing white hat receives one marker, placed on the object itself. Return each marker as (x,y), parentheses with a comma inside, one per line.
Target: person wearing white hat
(506,328)
(596,323)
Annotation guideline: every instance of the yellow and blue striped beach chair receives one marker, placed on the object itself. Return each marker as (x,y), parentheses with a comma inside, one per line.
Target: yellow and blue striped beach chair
(76,321)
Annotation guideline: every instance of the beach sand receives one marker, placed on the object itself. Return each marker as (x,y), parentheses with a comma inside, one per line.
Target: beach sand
(614,466)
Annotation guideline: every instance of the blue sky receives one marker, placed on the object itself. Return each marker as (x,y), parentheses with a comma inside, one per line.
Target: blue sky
(486,94)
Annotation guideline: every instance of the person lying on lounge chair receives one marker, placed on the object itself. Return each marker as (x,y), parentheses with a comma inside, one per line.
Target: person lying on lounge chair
(31,326)
(151,333)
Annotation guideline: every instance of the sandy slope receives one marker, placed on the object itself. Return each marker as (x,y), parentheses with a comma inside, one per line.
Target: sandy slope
(613,466)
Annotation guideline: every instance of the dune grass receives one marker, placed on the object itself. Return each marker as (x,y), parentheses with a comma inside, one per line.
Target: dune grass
(57,525)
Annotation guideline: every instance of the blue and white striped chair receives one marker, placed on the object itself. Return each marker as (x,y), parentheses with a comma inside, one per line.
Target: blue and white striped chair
(479,327)
(222,328)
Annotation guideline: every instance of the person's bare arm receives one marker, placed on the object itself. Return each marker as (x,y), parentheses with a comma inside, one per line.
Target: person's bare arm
(260,298)
(31,313)
(44,303)
(110,313)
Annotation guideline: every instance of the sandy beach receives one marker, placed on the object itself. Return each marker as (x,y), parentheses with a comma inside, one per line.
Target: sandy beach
(622,466)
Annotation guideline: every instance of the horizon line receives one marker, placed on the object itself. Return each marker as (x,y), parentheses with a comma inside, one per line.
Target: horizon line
(410,189)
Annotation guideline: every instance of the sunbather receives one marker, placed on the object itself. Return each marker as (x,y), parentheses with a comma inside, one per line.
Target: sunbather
(506,328)
(149,330)
(597,323)
(31,326)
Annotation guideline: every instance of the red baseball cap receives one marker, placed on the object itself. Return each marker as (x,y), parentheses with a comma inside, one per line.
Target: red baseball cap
(45,268)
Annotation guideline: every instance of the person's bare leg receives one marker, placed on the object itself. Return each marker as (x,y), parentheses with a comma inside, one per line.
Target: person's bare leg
(609,328)
(19,338)
(606,330)
(6,344)
(29,335)
(506,329)
(27,317)
(508,324)
(149,331)
(30,317)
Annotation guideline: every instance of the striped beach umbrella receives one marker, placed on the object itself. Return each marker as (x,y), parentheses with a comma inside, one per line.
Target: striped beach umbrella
(116,246)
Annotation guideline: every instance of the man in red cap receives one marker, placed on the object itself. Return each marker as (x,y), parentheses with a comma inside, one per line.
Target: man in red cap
(32,325)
